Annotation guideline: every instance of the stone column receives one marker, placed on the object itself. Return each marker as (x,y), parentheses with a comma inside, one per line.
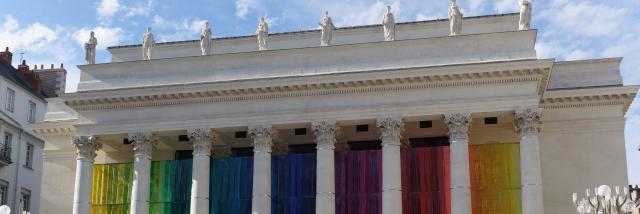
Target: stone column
(458,124)
(325,138)
(391,132)
(201,139)
(143,144)
(86,147)
(262,142)
(527,121)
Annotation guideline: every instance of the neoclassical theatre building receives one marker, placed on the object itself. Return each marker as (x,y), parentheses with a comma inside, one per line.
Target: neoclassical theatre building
(426,123)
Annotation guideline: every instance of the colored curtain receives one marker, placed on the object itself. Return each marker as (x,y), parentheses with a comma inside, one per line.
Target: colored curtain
(293,184)
(111,189)
(426,180)
(358,182)
(170,190)
(231,185)
(495,178)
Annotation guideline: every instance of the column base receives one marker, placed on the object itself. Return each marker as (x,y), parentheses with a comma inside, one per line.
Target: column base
(326,203)
(391,201)
(461,201)
(261,205)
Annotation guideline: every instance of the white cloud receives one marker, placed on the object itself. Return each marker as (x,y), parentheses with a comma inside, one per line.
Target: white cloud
(587,18)
(177,30)
(506,6)
(106,36)
(364,16)
(158,21)
(139,9)
(35,38)
(108,8)
(244,6)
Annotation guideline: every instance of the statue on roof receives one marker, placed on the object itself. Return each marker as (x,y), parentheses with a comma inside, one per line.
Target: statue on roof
(205,39)
(455,19)
(147,44)
(327,29)
(389,25)
(262,32)
(525,15)
(90,49)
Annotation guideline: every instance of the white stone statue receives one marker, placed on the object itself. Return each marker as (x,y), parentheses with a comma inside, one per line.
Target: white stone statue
(263,33)
(389,25)
(327,29)
(147,44)
(525,15)
(455,19)
(90,49)
(205,39)
(4,209)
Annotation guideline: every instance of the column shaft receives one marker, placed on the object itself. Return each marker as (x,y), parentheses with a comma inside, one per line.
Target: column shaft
(201,139)
(325,139)
(391,129)
(86,148)
(458,125)
(262,143)
(527,121)
(142,147)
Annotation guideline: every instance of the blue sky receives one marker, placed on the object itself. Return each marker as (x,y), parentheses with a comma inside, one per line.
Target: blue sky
(52,31)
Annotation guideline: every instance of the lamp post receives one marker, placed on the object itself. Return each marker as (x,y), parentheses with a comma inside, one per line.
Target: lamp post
(603,202)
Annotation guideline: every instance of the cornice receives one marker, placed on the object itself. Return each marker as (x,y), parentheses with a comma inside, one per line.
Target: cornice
(591,97)
(54,128)
(537,70)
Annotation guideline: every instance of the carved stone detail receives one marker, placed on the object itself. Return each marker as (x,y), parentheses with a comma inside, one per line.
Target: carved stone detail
(143,143)
(391,129)
(528,121)
(201,139)
(262,136)
(458,124)
(325,133)
(86,147)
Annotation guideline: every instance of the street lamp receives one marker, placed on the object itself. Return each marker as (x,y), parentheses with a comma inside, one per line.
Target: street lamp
(603,202)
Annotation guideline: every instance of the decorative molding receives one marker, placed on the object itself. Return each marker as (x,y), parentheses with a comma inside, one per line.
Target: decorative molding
(86,147)
(201,139)
(143,143)
(345,87)
(391,129)
(458,124)
(325,133)
(588,100)
(262,136)
(528,121)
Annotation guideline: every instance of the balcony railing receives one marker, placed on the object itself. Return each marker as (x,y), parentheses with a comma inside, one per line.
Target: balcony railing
(5,155)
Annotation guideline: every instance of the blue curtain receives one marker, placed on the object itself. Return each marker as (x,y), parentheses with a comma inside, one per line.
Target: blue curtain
(231,185)
(293,184)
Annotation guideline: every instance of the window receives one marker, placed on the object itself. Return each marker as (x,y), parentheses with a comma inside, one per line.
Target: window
(11,98)
(7,139)
(362,128)
(29,162)
(5,148)
(300,131)
(25,201)
(4,190)
(32,112)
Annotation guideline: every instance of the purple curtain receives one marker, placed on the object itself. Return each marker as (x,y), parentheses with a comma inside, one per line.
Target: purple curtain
(358,182)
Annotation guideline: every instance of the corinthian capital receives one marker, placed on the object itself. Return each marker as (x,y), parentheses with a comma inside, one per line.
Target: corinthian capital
(86,147)
(325,134)
(458,124)
(527,121)
(201,139)
(391,129)
(143,143)
(262,136)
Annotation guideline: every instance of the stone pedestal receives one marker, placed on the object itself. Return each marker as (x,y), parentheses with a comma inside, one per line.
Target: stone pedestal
(458,125)
(527,121)
(262,143)
(143,144)
(325,139)
(86,147)
(201,139)
(391,132)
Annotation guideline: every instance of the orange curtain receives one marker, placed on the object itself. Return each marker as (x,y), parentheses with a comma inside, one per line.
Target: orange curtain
(495,178)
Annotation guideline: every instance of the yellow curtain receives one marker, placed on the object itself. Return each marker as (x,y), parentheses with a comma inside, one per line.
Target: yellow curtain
(111,189)
(495,178)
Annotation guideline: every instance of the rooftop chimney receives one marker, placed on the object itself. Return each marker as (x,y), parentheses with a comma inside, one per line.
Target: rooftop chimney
(6,56)
(30,77)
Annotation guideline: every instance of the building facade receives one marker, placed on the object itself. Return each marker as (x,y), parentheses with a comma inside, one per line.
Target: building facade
(20,148)
(427,123)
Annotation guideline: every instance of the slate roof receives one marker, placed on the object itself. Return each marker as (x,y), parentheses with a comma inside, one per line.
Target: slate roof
(11,74)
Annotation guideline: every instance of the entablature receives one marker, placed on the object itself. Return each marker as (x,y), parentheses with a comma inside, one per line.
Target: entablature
(589,97)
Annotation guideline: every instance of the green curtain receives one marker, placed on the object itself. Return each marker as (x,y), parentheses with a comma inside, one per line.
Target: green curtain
(170,191)
(111,189)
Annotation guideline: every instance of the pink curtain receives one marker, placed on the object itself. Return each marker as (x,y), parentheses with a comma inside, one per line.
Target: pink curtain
(358,182)
(426,180)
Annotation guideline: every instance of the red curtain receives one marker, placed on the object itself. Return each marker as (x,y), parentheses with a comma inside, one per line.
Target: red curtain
(426,180)
(358,182)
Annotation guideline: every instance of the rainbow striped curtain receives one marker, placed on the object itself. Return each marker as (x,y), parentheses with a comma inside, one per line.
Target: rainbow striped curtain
(358,182)
(426,180)
(231,185)
(495,178)
(293,184)
(170,187)
(111,189)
